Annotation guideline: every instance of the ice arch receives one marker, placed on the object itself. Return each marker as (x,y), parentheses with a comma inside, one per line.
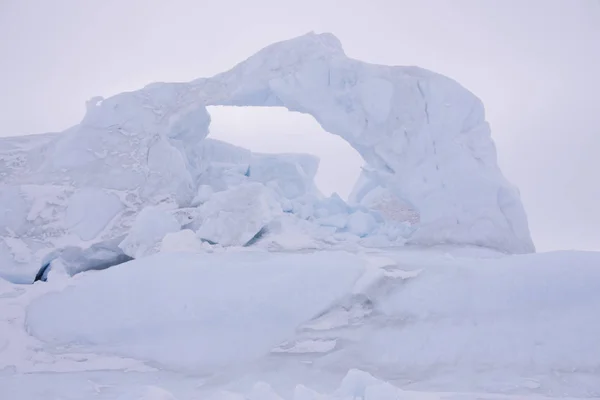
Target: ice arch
(422,135)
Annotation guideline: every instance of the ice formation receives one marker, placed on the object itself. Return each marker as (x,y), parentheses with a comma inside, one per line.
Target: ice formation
(430,158)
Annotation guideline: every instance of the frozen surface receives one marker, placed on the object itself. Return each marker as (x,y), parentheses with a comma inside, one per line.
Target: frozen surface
(444,323)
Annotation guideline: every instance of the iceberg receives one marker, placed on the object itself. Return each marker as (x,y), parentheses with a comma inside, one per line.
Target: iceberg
(424,138)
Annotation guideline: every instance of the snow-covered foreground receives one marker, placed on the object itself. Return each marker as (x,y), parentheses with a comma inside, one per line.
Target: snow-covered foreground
(249,324)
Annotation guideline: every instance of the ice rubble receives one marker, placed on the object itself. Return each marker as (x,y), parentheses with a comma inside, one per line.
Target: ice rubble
(424,138)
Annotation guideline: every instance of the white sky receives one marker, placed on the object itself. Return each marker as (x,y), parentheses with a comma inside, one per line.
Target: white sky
(535,64)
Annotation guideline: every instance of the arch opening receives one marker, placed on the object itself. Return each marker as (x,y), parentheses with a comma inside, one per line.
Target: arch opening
(276,130)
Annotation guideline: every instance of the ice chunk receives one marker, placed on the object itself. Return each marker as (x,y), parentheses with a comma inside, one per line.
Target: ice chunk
(222,176)
(361,223)
(233,217)
(331,205)
(338,221)
(184,240)
(212,151)
(148,230)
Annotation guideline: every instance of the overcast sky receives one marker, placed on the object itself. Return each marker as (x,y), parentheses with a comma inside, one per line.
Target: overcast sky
(535,64)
